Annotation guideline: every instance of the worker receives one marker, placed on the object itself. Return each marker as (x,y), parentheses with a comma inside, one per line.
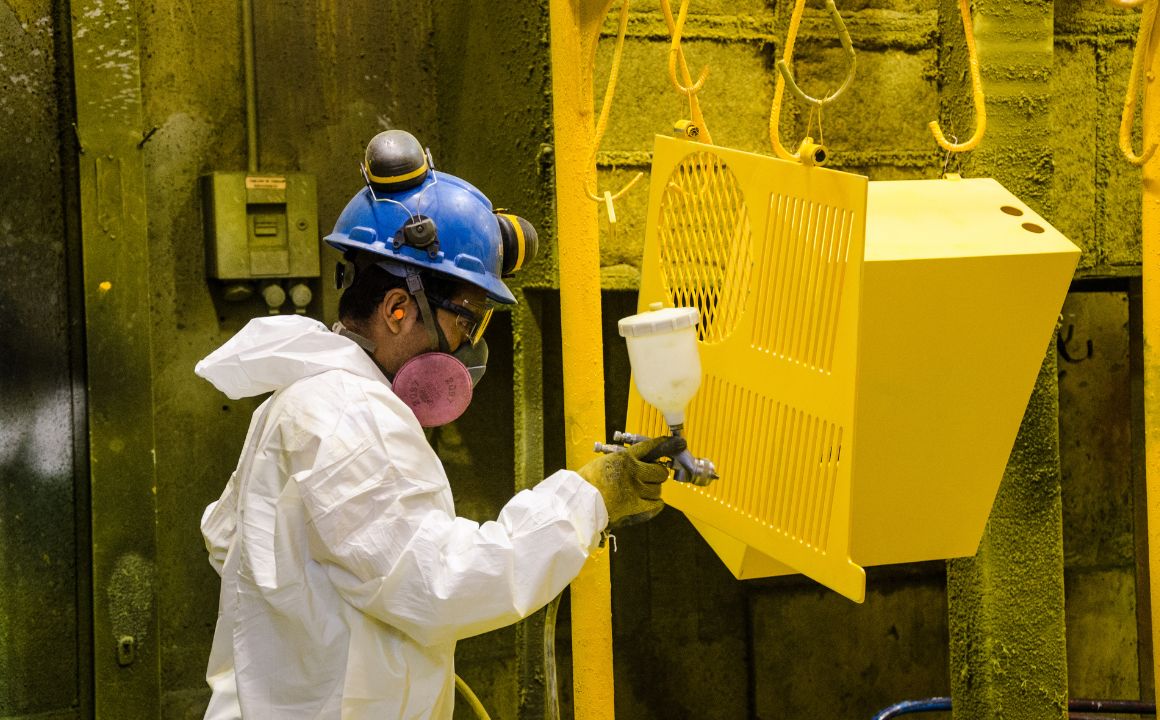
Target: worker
(346,577)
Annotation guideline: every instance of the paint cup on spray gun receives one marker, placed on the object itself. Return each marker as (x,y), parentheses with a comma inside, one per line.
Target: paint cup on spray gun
(666,368)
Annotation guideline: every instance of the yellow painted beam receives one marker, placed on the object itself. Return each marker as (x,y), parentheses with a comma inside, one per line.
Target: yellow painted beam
(1151,300)
(575,26)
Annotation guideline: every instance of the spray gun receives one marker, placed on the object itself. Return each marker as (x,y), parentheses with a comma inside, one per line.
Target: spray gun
(662,349)
(686,468)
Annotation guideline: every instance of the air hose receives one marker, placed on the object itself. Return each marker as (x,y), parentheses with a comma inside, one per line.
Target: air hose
(553,696)
(471,699)
(1077,709)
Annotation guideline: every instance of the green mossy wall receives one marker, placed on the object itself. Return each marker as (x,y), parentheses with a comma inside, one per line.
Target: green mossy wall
(40,576)
(1101,512)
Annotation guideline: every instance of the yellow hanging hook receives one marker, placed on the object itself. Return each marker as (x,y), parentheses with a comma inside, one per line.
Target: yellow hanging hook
(795,20)
(694,105)
(606,107)
(1128,116)
(785,77)
(976,91)
(847,46)
(675,49)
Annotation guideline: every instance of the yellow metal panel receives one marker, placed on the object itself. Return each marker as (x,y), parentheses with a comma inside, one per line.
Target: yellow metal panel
(770,253)
(744,562)
(1150,257)
(959,300)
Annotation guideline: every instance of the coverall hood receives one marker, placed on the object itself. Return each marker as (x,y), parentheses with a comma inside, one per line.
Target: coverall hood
(270,353)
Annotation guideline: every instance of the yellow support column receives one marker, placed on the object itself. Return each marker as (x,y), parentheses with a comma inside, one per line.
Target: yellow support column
(1151,300)
(574,27)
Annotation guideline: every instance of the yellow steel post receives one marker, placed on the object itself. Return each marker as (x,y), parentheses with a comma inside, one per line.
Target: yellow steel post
(574,27)
(1151,320)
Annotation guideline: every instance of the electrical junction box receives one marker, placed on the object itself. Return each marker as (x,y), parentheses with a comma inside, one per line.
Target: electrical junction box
(260,226)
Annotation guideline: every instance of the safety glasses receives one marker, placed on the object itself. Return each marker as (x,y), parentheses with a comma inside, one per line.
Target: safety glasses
(472,316)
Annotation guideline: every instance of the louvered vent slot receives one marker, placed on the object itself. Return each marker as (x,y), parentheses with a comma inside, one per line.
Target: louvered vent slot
(801,278)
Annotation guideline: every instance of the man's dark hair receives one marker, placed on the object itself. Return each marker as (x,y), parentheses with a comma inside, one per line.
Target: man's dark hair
(371,285)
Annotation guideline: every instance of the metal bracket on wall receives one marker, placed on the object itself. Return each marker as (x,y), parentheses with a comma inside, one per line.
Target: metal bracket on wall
(106,66)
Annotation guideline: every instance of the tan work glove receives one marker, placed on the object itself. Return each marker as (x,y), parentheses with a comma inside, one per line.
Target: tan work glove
(630,481)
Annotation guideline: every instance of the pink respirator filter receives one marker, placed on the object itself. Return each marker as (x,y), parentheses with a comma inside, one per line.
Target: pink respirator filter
(436,386)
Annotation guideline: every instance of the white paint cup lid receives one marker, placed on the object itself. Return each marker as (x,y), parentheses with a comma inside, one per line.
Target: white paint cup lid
(658,320)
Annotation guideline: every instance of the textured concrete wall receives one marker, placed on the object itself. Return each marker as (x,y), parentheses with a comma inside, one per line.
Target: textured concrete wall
(42,631)
(1095,195)
(1008,658)
(1100,520)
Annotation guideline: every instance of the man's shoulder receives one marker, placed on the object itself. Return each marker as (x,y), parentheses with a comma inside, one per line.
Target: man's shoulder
(340,392)
(337,386)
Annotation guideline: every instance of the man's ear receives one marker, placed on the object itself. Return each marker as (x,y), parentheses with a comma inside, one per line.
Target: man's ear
(394,309)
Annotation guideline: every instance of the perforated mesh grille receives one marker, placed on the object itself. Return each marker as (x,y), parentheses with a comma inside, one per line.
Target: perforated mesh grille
(705,243)
(781,474)
(801,279)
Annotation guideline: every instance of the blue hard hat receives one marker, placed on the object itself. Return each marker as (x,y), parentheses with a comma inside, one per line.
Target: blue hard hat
(411,214)
(444,225)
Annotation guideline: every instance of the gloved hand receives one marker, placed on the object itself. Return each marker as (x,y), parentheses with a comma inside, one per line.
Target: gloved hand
(630,481)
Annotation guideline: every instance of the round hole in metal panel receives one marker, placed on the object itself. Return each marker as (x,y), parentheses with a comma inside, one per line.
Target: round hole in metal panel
(1011,210)
(1032,227)
(705,241)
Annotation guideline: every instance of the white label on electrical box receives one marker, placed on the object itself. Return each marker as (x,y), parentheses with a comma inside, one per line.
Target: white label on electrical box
(265,183)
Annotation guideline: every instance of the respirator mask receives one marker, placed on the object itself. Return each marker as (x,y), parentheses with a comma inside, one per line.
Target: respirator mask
(438,385)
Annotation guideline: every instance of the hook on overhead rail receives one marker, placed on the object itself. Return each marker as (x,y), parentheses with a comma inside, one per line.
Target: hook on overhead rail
(602,123)
(976,91)
(785,77)
(688,88)
(847,46)
(1128,116)
(605,108)
(675,50)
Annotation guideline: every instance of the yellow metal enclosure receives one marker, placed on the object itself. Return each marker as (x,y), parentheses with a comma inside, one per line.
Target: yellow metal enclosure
(868,350)
(962,289)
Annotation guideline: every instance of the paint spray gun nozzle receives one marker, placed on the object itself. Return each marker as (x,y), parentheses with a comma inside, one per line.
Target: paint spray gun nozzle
(686,468)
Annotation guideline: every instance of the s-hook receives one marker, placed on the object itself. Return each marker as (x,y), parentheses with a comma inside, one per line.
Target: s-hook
(847,46)
(808,152)
(976,91)
(1128,116)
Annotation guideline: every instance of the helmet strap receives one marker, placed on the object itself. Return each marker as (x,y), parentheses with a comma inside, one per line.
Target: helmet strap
(365,343)
(434,334)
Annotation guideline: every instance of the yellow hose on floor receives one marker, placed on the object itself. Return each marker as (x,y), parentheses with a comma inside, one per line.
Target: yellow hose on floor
(471,699)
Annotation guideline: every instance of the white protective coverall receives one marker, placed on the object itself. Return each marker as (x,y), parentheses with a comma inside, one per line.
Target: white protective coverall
(346,576)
